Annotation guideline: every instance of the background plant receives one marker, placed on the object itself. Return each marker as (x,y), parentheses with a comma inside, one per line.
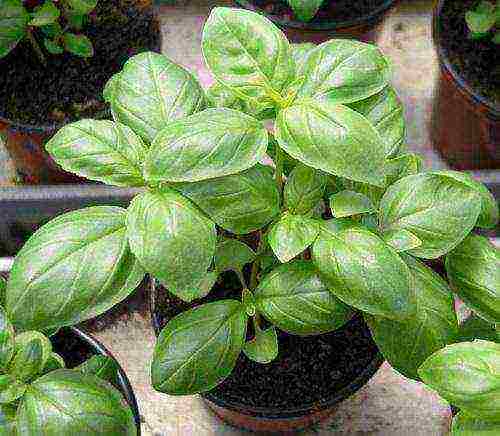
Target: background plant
(484,20)
(305,10)
(54,25)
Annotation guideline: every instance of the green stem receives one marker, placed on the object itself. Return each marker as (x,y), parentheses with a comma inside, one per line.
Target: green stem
(279,170)
(242,279)
(256,262)
(37,48)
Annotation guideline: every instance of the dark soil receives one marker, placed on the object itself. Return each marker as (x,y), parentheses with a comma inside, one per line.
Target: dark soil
(333,11)
(307,371)
(477,61)
(70,87)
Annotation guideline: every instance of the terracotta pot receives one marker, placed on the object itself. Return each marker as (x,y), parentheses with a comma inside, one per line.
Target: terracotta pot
(364,28)
(274,420)
(465,125)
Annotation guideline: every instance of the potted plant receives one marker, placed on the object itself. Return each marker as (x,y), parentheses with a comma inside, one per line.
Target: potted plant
(68,384)
(269,279)
(319,20)
(55,58)
(466,120)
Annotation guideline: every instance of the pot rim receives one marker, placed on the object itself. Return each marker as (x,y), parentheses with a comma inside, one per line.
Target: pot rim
(275,412)
(123,380)
(323,26)
(444,61)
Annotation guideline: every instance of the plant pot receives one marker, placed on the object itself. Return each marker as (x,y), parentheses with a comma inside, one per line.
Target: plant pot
(75,347)
(465,122)
(325,25)
(308,394)
(30,114)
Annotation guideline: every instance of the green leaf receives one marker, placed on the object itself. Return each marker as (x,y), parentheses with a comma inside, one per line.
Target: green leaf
(475,327)
(348,203)
(406,344)
(305,10)
(385,111)
(104,367)
(289,163)
(82,6)
(304,189)
(198,349)
(291,235)
(466,375)
(172,239)
(100,150)
(13,24)
(52,46)
(206,145)
(7,420)
(473,269)
(232,254)
(263,347)
(66,402)
(467,425)
(482,19)
(488,217)
(53,30)
(72,269)
(6,340)
(111,88)
(332,138)
(79,45)
(240,203)
(11,389)
(364,272)
(47,13)
(247,53)
(293,298)
(32,351)
(300,54)
(153,91)
(402,166)
(54,362)
(76,21)
(345,71)
(401,240)
(437,209)
(248,301)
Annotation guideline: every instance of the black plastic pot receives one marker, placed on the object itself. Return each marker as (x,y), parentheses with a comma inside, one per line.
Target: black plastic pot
(317,31)
(275,420)
(91,346)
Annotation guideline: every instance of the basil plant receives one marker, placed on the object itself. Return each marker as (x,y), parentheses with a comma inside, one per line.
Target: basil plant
(483,21)
(305,10)
(54,25)
(39,395)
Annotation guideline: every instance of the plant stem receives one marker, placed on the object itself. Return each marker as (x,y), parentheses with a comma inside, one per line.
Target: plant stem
(279,170)
(37,48)
(256,262)
(242,279)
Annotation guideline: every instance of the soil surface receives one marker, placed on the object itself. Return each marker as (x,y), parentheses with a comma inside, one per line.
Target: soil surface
(307,371)
(477,61)
(331,11)
(70,87)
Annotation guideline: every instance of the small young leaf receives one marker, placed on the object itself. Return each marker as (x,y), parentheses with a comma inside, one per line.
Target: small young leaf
(30,359)
(172,239)
(466,375)
(263,348)
(53,30)
(104,367)
(11,390)
(402,166)
(293,298)
(348,203)
(305,10)
(47,13)
(198,349)
(82,6)
(291,235)
(473,269)
(6,341)
(55,361)
(52,46)
(401,240)
(482,19)
(232,254)
(248,300)
(468,425)
(76,21)
(100,150)
(79,45)
(304,189)
(13,24)
(289,163)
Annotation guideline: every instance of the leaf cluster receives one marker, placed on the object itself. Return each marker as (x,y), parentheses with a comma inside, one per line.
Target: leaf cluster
(483,21)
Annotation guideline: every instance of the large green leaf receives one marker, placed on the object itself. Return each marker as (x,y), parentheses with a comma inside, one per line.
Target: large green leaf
(6,340)
(293,298)
(151,91)
(406,344)
(364,272)
(13,24)
(206,145)
(291,235)
(345,71)
(386,113)
(436,209)
(305,10)
(240,203)
(467,375)
(403,165)
(248,54)
(74,268)
(66,402)
(304,189)
(172,239)
(198,349)
(332,138)
(11,389)
(300,53)
(473,269)
(100,150)
(467,425)
(47,13)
